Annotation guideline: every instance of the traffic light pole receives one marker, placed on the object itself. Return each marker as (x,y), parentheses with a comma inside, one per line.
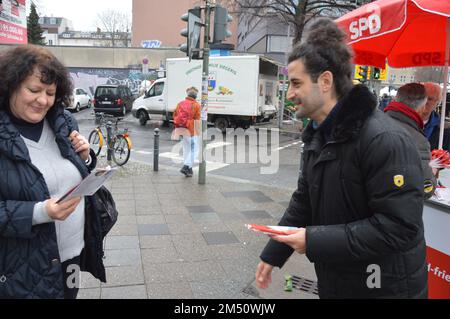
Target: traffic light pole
(204,112)
(285,86)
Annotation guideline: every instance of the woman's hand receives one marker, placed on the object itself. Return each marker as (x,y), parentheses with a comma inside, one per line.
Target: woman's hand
(62,210)
(80,144)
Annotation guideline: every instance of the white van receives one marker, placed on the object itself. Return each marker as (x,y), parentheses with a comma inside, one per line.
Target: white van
(242,90)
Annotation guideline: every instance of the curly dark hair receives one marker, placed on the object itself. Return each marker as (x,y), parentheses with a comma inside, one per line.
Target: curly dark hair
(18,63)
(325,50)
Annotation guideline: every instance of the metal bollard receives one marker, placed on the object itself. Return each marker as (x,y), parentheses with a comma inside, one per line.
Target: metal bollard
(156,150)
(109,146)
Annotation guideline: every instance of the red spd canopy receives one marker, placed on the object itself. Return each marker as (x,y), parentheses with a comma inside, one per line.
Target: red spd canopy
(408,33)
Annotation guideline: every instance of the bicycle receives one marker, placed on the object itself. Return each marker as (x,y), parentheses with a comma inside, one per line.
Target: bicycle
(119,144)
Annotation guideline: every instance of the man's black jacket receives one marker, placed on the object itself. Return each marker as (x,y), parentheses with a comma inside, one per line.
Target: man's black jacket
(360,198)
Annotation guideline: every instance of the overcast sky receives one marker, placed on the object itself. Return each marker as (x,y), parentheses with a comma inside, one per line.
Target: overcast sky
(82,13)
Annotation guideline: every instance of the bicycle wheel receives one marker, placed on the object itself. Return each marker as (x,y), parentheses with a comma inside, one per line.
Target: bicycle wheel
(96,142)
(121,150)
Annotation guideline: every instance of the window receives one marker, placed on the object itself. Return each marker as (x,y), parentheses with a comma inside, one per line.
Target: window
(50,42)
(159,87)
(156,90)
(279,43)
(268,100)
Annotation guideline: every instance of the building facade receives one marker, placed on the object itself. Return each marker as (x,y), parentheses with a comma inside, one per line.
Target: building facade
(53,27)
(158,22)
(267,36)
(97,39)
(59,31)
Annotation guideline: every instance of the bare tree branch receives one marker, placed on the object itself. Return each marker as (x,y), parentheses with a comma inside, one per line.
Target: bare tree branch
(296,12)
(116,23)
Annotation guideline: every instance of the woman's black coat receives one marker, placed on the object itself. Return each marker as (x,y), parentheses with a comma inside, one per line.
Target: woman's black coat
(29,260)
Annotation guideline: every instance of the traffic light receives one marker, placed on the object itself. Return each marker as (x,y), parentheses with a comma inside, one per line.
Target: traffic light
(363,70)
(376,73)
(221,20)
(192,33)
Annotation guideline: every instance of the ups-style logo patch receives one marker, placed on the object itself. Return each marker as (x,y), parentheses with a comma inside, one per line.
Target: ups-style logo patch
(399,181)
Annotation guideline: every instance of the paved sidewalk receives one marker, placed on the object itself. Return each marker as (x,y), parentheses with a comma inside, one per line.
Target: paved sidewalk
(177,239)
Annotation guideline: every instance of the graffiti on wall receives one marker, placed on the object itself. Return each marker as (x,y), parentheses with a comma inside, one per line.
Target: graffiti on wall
(89,78)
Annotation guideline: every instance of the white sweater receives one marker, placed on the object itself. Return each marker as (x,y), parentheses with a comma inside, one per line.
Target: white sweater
(60,175)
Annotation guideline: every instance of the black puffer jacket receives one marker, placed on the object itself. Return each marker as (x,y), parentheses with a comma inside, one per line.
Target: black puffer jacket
(360,198)
(29,258)
(423,147)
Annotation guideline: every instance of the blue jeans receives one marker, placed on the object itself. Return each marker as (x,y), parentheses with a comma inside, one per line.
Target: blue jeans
(190,150)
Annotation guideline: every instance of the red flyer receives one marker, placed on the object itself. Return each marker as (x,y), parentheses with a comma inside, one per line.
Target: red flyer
(271,230)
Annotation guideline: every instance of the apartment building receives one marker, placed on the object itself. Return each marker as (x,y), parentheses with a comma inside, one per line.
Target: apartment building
(157,23)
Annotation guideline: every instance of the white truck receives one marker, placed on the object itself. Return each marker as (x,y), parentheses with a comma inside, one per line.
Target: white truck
(242,90)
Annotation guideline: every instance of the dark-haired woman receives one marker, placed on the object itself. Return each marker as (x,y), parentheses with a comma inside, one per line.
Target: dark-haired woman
(43,244)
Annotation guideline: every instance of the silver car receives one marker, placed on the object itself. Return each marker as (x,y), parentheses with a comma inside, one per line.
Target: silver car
(79,99)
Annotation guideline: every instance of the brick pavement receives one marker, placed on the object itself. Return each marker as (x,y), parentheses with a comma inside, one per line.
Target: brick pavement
(177,239)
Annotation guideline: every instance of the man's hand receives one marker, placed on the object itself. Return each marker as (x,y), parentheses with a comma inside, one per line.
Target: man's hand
(80,144)
(296,239)
(263,275)
(62,210)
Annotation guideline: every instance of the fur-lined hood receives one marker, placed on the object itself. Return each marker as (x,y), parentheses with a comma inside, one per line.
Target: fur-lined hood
(357,105)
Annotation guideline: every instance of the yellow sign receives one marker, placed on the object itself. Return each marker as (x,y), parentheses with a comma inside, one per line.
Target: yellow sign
(399,180)
(383,73)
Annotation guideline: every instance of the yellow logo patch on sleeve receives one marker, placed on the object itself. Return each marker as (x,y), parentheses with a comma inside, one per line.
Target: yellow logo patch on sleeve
(399,180)
(428,186)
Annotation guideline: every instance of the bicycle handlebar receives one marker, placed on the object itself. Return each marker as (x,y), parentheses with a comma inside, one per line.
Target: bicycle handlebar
(102,116)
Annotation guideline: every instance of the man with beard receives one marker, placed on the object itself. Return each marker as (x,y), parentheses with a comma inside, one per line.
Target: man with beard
(359,199)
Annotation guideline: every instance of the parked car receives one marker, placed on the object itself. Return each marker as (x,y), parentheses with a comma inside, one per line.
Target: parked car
(113,99)
(79,99)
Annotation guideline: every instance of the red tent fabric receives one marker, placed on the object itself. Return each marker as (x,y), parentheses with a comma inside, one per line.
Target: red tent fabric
(408,33)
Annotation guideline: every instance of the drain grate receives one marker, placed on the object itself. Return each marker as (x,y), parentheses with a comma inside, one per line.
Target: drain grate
(306,285)
(252,291)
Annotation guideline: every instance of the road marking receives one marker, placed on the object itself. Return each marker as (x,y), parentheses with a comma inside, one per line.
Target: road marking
(289,145)
(177,158)
(142,152)
(210,166)
(217,144)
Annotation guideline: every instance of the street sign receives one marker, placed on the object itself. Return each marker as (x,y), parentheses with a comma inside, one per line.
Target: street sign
(383,73)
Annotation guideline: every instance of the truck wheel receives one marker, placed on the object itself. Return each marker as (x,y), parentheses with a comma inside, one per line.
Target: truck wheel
(221,123)
(143,118)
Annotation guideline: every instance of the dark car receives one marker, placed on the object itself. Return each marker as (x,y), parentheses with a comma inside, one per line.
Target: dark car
(113,99)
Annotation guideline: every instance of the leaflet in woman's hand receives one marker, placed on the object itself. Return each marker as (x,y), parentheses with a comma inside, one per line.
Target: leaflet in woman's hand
(89,185)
